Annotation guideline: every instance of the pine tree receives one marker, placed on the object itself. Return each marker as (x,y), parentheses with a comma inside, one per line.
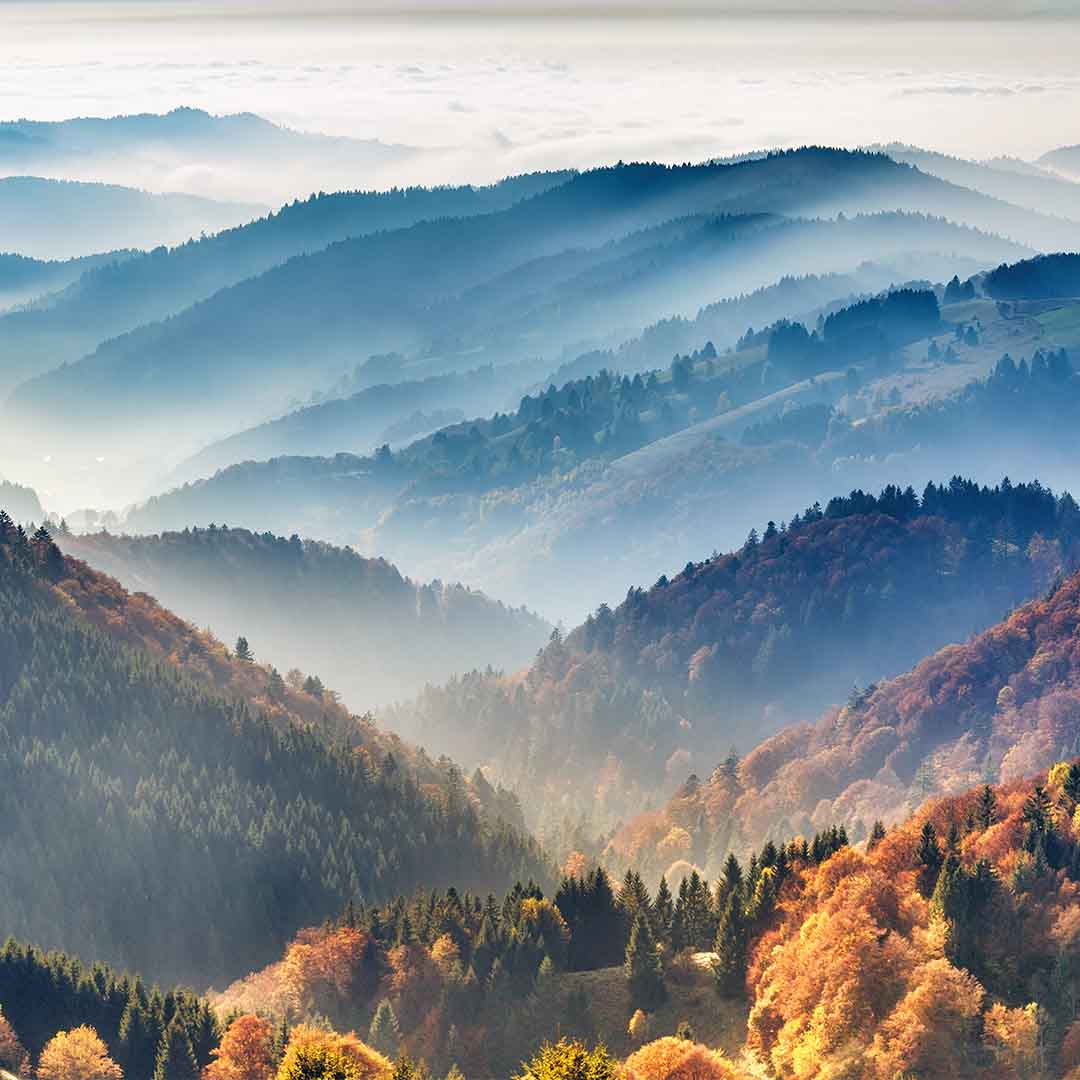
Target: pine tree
(243,650)
(175,1057)
(929,858)
(137,1050)
(730,948)
(275,687)
(663,912)
(384,1034)
(877,834)
(642,967)
(730,883)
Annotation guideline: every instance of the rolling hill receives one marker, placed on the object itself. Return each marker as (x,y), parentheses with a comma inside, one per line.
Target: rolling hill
(664,270)
(66,219)
(190,150)
(1065,160)
(170,783)
(998,707)
(1031,188)
(369,632)
(250,347)
(675,676)
(24,280)
(164,281)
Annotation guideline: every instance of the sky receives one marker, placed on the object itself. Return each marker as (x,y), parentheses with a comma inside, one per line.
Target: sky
(490,94)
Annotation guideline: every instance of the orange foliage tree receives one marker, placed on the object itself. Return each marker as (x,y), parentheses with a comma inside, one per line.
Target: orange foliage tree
(323,968)
(672,1058)
(13,1055)
(246,1051)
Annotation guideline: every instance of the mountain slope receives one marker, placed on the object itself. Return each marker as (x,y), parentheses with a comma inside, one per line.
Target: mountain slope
(64,219)
(1036,191)
(200,808)
(673,677)
(938,953)
(1065,160)
(597,294)
(23,279)
(251,346)
(163,282)
(191,150)
(365,629)
(998,707)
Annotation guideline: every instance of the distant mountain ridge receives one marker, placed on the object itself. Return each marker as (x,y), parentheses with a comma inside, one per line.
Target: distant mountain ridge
(194,151)
(337,297)
(161,283)
(65,219)
(367,630)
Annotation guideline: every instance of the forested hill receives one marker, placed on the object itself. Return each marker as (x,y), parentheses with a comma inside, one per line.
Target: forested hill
(23,279)
(600,417)
(364,628)
(998,707)
(666,683)
(198,807)
(387,290)
(940,951)
(120,296)
(67,219)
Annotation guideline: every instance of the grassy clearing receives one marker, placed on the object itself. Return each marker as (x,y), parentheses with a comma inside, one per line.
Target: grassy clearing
(717,1021)
(1062,327)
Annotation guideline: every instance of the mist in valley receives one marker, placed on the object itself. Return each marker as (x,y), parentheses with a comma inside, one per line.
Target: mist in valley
(515,522)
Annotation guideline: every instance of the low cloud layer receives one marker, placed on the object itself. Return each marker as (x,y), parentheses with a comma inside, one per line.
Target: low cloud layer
(486,96)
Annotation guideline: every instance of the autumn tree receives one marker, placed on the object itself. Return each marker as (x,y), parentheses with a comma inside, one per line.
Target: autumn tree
(569,1059)
(13,1055)
(672,1058)
(638,1028)
(78,1054)
(313,1054)
(246,1051)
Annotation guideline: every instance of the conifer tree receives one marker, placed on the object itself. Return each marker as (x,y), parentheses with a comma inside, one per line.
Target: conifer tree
(663,912)
(642,967)
(384,1034)
(730,948)
(138,1045)
(175,1057)
(877,834)
(929,858)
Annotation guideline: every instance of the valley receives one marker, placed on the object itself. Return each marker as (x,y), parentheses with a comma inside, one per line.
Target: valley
(495,586)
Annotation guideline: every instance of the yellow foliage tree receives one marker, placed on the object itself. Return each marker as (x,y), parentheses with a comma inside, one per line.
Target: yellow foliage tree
(446,954)
(78,1054)
(1012,1036)
(313,1054)
(930,1030)
(638,1028)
